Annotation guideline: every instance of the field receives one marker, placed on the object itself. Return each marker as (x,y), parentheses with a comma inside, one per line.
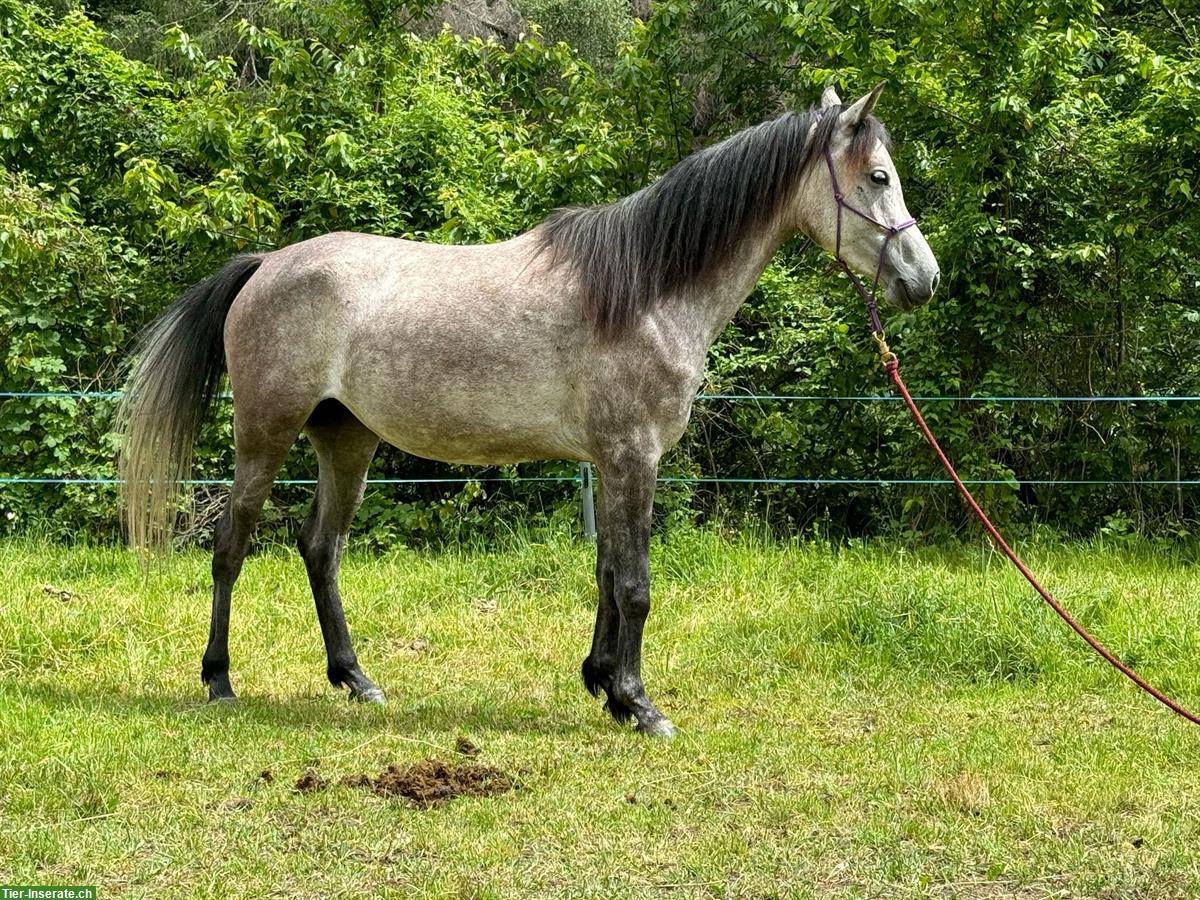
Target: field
(863,721)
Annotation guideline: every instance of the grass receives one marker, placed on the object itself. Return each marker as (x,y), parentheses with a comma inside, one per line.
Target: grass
(859,722)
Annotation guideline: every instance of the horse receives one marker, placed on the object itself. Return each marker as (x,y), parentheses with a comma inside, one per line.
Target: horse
(582,339)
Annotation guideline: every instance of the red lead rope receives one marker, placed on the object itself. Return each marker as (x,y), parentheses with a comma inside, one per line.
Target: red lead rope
(892,365)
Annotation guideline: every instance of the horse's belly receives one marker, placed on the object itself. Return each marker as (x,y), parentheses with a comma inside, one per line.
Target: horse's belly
(479,431)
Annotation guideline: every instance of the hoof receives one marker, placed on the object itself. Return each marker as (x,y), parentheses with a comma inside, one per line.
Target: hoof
(368,695)
(658,728)
(220,690)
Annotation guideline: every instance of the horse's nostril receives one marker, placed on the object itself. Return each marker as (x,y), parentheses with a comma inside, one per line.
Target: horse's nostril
(937,278)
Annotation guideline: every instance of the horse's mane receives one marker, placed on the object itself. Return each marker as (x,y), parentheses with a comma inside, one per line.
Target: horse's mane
(629,254)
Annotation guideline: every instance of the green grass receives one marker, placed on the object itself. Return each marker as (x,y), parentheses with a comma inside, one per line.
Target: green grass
(863,722)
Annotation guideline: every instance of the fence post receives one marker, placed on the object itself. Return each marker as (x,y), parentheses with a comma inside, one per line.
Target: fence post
(588,502)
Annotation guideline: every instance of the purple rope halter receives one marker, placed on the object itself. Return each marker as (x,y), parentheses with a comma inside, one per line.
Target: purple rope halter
(890,231)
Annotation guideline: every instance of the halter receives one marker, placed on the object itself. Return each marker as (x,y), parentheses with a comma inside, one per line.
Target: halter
(890,232)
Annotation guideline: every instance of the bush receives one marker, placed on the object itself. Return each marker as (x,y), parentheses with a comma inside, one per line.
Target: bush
(1047,148)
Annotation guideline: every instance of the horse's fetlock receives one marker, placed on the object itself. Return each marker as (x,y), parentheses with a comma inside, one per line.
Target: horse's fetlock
(597,672)
(620,712)
(343,672)
(212,668)
(629,690)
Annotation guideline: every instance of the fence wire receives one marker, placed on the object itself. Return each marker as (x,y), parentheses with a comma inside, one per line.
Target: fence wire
(681,479)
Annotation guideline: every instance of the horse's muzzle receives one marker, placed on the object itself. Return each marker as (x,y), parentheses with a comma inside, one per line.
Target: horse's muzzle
(910,291)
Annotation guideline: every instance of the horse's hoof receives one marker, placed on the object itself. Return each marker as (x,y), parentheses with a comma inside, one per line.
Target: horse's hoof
(659,728)
(220,690)
(368,695)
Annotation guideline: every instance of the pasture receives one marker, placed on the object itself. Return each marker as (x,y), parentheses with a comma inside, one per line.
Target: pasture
(862,721)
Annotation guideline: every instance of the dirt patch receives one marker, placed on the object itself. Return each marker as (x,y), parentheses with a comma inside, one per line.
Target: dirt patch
(431,782)
(465,746)
(310,781)
(411,648)
(58,593)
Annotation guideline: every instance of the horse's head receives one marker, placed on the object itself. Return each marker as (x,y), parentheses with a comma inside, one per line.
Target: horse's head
(855,207)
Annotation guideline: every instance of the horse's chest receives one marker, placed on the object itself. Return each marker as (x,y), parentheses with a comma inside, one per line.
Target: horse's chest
(653,398)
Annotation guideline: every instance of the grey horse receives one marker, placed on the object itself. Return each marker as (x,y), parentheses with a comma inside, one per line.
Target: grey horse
(583,339)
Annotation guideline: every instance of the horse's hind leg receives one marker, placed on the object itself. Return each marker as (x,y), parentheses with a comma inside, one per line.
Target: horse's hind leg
(344,450)
(261,448)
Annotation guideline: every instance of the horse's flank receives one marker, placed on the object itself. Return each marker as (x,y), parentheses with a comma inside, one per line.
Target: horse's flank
(464,354)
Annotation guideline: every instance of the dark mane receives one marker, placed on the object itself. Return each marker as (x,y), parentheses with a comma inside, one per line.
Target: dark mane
(680,229)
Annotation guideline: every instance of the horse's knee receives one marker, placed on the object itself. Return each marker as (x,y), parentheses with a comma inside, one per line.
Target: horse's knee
(633,597)
(320,551)
(306,544)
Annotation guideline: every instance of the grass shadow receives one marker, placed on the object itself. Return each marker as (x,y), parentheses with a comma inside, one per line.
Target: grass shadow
(332,712)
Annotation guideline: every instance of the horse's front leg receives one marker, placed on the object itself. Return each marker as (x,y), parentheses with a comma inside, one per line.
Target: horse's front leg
(623,568)
(601,662)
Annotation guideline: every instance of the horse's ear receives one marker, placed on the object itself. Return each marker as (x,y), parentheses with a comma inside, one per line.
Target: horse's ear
(830,98)
(863,106)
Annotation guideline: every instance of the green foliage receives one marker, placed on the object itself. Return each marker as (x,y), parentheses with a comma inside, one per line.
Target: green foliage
(593,28)
(1049,149)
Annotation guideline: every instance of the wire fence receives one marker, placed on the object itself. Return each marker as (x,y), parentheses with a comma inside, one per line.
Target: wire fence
(966,398)
(667,479)
(585,478)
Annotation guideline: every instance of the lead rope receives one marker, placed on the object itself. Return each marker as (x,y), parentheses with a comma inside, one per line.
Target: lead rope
(891,365)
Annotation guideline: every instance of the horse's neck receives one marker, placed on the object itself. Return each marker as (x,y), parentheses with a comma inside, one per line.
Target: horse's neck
(700,313)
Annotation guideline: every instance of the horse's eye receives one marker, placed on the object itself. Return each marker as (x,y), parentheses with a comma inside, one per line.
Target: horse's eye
(879,176)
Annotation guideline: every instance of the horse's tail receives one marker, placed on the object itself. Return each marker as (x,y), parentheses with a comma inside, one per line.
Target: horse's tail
(179,360)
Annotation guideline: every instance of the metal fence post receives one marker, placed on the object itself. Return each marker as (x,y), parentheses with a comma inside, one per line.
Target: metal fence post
(588,502)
